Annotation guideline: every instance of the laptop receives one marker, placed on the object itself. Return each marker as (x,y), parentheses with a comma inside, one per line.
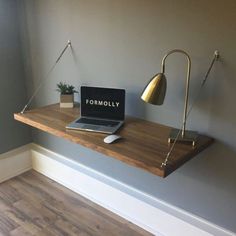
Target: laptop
(102,110)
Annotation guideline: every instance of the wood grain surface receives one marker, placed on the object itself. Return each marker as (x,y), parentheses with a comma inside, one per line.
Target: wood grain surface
(144,144)
(32,204)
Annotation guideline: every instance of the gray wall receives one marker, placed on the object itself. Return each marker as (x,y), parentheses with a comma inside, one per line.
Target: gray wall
(12,83)
(121,44)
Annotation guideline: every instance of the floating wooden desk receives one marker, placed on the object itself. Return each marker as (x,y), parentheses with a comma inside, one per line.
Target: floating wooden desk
(144,144)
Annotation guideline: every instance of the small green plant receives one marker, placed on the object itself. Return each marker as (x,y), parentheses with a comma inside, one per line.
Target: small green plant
(64,88)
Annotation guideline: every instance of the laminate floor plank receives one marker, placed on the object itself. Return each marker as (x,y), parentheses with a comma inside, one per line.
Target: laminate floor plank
(87,208)
(6,224)
(20,232)
(62,193)
(34,205)
(41,216)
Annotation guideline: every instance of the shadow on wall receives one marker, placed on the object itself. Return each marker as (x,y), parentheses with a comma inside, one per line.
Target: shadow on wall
(205,186)
(215,168)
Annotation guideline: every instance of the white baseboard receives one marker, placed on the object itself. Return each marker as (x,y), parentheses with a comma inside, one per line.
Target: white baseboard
(153,219)
(15,162)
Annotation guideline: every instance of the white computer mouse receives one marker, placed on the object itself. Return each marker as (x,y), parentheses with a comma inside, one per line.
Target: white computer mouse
(111,138)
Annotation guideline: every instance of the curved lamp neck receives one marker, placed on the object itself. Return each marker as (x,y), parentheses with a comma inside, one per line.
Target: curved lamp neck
(186,85)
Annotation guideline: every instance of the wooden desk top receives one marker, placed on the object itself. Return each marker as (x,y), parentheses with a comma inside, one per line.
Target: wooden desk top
(144,144)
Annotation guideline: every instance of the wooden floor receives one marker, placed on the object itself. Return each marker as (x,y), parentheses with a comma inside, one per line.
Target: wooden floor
(32,204)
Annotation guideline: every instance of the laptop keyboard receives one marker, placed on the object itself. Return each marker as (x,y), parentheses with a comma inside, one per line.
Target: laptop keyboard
(97,122)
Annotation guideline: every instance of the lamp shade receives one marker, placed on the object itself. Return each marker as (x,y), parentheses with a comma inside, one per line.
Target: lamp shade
(155,90)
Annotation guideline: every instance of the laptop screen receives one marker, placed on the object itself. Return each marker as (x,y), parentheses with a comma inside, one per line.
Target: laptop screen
(105,103)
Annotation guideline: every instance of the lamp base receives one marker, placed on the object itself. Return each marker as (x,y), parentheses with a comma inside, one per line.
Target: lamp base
(189,137)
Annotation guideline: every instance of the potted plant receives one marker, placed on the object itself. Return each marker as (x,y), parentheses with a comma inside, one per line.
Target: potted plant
(66,95)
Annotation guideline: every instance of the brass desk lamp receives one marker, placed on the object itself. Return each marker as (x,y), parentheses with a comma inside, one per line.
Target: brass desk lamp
(155,91)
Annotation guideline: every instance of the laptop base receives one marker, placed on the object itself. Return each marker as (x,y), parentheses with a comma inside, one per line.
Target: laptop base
(102,126)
